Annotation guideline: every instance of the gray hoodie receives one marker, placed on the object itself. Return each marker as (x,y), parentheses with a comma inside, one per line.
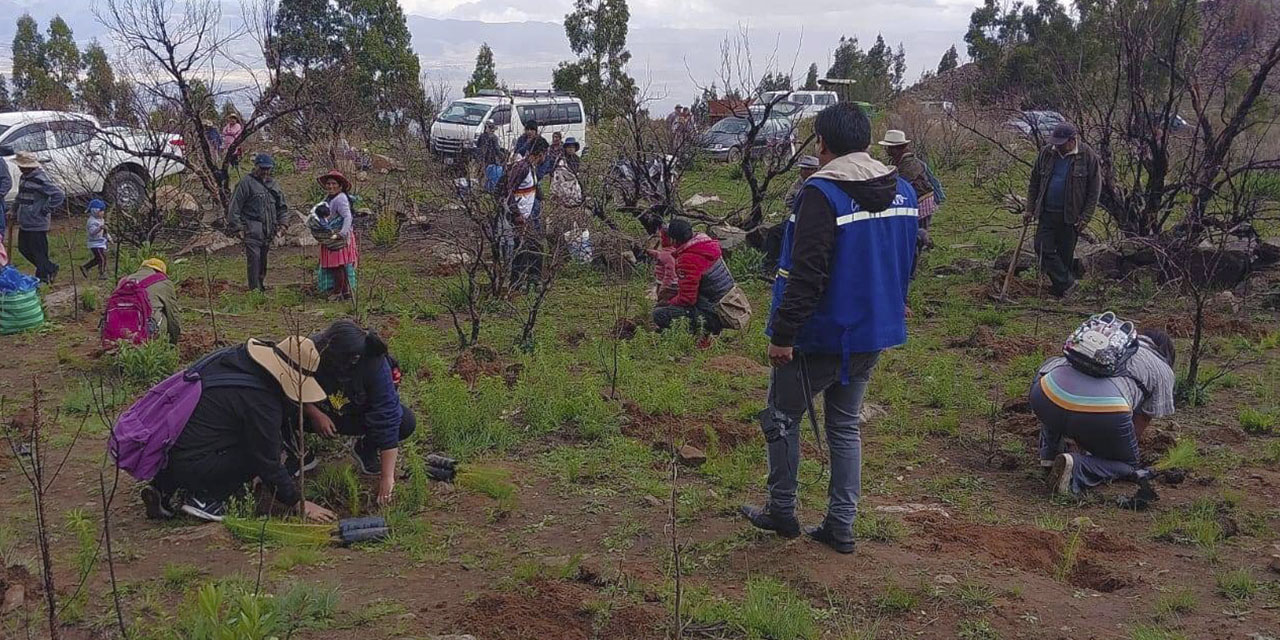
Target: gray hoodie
(37,198)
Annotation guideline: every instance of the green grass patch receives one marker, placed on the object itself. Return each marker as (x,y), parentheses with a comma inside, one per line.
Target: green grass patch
(1256,422)
(464,422)
(147,363)
(1144,632)
(1237,584)
(895,600)
(1175,603)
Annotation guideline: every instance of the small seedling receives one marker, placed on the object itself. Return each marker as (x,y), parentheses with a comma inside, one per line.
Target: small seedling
(1237,584)
(1175,603)
(1256,422)
(1155,633)
(895,600)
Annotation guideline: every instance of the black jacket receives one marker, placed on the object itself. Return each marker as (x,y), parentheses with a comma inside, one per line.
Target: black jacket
(813,244)
(246,420)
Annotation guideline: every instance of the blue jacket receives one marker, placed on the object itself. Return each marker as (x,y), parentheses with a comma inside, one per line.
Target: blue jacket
(861,305)
(371,393)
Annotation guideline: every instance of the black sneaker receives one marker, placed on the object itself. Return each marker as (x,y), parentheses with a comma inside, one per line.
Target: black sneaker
(208,510)
(826,536)
(156,503)
(368,463)
(291,463)
(785,526)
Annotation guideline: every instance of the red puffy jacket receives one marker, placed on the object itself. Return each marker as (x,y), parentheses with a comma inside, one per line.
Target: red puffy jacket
(693,258)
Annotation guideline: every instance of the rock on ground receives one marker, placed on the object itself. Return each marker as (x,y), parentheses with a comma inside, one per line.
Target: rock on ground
(692,456)
(698,200)
(209,241)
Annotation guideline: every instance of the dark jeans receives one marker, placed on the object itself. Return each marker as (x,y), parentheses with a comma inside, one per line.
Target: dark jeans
(34,246)
(216,476)
(255,254)
(842,415)
(1056,247)
(99,260)
(702,317)
(1108,441)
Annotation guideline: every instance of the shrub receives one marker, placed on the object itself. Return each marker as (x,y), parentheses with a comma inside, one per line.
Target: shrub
(1257,422)
(464,423)
(550,397)
(746,262)
(386,229)
(88,300)
(147,363)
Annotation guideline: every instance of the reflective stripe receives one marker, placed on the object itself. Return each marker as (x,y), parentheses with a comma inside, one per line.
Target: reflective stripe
(783,273)
(1079,403)
(859,216)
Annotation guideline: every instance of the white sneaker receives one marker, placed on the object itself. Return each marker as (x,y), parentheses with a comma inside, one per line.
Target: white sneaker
(1060,474)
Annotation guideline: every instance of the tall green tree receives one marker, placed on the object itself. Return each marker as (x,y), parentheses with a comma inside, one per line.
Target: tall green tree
(597,32)
(485,75)
(5,103)
(30,72)
(877,73)
(63,59)
(98,89)
(774,82)
(1020,48)
(950,60)
(811,78)
(360,47)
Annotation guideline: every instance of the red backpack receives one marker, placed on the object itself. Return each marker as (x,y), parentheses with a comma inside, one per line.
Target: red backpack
(128,313)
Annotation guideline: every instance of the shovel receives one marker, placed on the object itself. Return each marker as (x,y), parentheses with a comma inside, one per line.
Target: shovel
(1013,265)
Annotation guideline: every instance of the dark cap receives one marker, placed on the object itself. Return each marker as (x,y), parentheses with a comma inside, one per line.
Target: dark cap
(263,160)
(1062,133)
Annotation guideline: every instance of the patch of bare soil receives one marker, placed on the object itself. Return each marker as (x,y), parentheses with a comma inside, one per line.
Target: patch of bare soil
(479,361)
(737,365)
(1183,325)
(660,430)
(561,610)
(18,589)
(1000,348)
(195,343)
(196,288)
(1038,551)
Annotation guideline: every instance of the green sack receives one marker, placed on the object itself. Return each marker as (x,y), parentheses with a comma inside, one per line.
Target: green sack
(20,312)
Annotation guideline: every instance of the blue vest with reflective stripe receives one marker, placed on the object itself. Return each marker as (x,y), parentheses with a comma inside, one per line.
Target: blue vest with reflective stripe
(864,306)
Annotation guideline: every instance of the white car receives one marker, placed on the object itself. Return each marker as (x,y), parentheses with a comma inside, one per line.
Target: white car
(456,128)
(811,102)
(87,159)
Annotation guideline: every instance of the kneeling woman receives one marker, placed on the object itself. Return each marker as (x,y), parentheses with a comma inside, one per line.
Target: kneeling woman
(235,433)
(1104,416)
(363,400)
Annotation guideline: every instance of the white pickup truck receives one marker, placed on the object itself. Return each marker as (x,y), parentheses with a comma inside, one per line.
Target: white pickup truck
(86,158)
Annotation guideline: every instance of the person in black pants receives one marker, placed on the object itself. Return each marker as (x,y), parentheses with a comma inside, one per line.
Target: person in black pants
(361,380)
(1062,195)
(257,212)
(235,432)
(38,197)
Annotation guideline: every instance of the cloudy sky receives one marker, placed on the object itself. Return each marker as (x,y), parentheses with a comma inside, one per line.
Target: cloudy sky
(675,44)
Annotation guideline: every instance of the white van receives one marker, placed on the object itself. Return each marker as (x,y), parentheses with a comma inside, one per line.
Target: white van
(811,101)
(459,124)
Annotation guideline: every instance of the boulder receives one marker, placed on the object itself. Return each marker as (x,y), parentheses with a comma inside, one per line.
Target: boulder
(1267,252)
(171,198)
(1102,259)
(1217,267)
(209,241)
(691,455)
(730,237)
(383,164)
(698,200)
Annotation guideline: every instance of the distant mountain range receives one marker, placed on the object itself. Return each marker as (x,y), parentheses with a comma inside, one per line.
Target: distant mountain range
(671,64)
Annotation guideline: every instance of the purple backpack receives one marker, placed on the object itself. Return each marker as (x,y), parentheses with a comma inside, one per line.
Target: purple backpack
(143,434)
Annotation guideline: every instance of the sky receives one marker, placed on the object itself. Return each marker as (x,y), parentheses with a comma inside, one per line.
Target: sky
(675,44)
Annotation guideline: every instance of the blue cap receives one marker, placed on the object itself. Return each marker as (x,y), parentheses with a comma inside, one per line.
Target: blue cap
(97,205)
(572,141)
(264,160)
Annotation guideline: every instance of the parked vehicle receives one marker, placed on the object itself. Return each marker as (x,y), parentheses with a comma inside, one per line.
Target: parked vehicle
(87,159)
(727,139)
(456,128)
(782,109)
(1035,125)
(811,102)
(938,108)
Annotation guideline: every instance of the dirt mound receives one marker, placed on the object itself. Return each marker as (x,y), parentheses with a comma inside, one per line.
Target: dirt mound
(1037,550)
(737,365)
(194,343)
(701,432)
(1183,325)
(195,287)
(1000,348)
(562,610)
(472,364)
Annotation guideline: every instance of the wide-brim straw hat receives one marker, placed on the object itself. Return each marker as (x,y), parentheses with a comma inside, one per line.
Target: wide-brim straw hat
(293,363)
(26,160)
(335,175)
(894,138)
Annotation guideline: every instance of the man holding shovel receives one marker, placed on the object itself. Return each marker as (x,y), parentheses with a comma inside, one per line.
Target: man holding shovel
(1062,196)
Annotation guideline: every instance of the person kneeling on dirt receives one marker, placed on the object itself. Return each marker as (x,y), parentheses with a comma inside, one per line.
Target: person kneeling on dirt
(361,381)
(1104,414)
(703,280)
(234,433)
(163,298)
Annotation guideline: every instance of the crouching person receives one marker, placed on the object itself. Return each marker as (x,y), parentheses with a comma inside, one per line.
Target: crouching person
(1103,412)
(360,380)
(234,432)
(703,280)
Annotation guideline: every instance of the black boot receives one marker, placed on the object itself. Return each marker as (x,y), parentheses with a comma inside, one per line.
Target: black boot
(828,536)
(785,526)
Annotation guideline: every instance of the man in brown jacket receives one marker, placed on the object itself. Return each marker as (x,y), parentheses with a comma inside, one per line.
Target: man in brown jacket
(1062,196)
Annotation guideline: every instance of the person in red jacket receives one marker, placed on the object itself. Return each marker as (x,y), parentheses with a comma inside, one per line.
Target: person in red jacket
(703,279)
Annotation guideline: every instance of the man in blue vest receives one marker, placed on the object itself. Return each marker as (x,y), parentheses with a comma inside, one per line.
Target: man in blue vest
(839,300)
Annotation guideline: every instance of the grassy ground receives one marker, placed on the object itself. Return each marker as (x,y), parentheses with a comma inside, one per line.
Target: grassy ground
(561,525)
